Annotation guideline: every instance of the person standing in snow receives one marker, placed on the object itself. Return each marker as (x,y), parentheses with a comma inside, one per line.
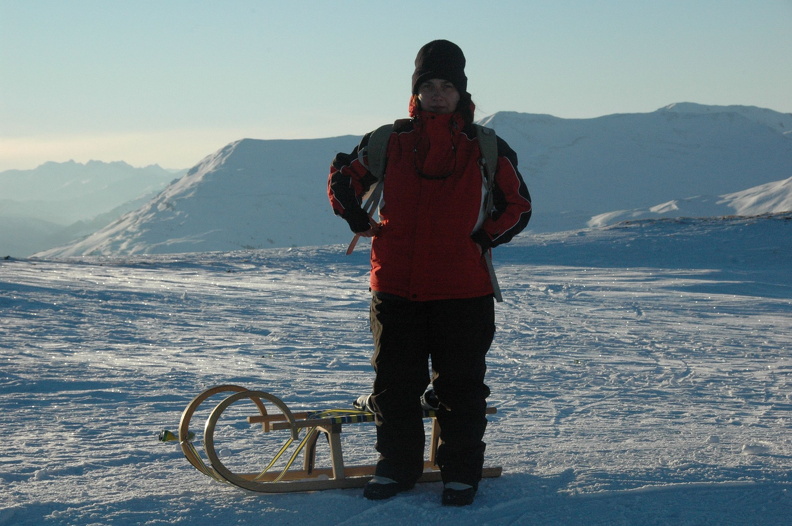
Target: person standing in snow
(432,297)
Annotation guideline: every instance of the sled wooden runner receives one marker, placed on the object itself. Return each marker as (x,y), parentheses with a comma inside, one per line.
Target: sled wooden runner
(284,473)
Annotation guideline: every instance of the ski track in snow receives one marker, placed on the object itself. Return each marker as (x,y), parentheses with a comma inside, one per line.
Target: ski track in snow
(626,394)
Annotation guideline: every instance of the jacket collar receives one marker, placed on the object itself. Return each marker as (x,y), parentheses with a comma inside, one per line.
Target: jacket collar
(426,120)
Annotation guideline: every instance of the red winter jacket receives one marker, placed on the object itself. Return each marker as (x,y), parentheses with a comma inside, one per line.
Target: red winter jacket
(432,200)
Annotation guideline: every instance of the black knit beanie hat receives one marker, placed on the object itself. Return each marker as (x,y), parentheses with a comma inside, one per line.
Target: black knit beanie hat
(440,59)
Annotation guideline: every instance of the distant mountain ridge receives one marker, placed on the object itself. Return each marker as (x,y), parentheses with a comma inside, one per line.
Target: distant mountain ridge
(781,122)
(56,203)
(69,180)
(256,194)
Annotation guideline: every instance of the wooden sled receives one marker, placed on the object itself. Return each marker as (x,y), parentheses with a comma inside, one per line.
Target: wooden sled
(283,473)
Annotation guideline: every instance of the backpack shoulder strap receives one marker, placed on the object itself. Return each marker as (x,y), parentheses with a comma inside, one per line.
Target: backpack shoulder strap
(377,149)
(488,143)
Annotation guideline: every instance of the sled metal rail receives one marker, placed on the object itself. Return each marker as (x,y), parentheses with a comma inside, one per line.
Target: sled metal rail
(307,477)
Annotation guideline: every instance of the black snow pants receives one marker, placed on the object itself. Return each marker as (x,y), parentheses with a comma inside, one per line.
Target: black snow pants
(455,335)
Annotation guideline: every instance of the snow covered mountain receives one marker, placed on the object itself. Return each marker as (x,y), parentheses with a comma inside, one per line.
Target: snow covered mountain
(250,194)
(258,194)
(762,199)
(579,168)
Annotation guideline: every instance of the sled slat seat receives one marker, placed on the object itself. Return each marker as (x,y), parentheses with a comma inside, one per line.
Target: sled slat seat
(302,420)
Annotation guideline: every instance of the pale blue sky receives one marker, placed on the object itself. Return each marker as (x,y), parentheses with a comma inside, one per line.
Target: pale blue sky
(169,82)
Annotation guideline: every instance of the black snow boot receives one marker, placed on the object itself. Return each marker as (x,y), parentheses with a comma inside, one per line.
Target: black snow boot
(457,494)
(381,488)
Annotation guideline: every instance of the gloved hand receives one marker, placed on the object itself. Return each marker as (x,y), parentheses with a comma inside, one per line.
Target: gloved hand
(358,220)
(482,239)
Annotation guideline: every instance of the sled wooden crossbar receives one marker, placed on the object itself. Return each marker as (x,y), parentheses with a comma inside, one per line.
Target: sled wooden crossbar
(307,477)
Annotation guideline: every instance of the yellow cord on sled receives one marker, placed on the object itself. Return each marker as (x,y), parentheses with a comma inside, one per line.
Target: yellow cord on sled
(310,432)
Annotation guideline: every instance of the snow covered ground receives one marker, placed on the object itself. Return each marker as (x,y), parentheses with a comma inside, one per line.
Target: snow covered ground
(642,373)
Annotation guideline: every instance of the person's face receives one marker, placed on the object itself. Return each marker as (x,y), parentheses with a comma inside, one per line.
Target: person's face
(438,96)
